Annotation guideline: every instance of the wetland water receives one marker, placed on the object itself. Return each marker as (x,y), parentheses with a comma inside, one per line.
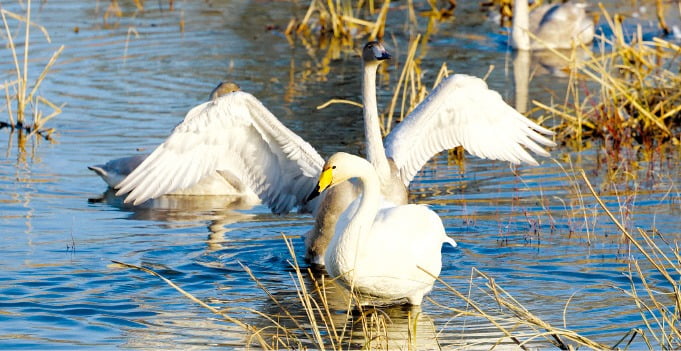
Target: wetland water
(127,81)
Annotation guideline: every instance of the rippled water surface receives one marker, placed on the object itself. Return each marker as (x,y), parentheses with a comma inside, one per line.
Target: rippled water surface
(126,81)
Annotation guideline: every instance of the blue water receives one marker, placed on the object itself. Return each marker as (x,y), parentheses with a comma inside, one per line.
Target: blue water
(127,81)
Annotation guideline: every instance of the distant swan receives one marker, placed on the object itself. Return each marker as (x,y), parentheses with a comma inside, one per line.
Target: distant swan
(377,249)
(556,26)
(237,137)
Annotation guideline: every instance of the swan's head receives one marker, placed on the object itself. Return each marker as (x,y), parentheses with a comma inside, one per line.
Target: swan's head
(374,52)
(223,88)
(339,168)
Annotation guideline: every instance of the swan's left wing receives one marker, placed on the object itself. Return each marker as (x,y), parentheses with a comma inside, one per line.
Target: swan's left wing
(240,139)
(462,110)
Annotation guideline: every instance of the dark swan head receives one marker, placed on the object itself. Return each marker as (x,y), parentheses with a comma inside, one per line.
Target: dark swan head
(374,52)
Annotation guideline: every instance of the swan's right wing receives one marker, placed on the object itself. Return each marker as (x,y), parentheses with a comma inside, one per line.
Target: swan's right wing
(463,111)
(236,135)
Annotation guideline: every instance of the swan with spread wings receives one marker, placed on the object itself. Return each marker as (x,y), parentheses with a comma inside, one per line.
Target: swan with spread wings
(240,139)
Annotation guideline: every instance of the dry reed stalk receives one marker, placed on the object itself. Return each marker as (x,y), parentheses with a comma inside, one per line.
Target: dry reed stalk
(478,310)
(581,204)
(22,95)
(504,8)
(638,100)
(275,300)
(310,306)
(139,4)
(409,78)
(410,90)
(319,326)
(131,30)
(193,298)
(340,21)
(113,9)
(521,316)
(665,326)
(338,18)
(659,11)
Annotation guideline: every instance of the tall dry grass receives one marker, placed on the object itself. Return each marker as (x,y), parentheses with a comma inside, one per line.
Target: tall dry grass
(21,92)
(625,93)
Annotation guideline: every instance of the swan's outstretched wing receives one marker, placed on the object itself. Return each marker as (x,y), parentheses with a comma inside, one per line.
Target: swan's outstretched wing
(461,110)
(236,136)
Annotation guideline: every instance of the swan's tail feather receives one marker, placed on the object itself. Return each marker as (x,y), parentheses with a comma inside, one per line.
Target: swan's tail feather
(99,169)
(450,241)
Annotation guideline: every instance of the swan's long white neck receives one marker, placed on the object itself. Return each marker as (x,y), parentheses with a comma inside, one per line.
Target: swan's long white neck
(372,129)
(521,25)
(369,202)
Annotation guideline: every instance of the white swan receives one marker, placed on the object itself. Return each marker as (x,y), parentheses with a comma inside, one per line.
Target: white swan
(114,171)
(461,110)
(381,250)
(237,137)
(556,26)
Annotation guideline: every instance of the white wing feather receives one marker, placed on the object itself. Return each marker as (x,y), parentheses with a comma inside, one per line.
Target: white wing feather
(462,110)
(237,135)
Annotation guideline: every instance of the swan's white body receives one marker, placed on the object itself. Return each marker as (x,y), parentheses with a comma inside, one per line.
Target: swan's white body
(114,171)
(381,250)
(237,137)
(555,26)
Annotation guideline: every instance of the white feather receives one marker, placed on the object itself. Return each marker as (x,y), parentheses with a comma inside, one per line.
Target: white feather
(462,110)
(235,134)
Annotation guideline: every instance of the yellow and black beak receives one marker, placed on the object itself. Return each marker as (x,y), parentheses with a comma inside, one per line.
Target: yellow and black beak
(325,180)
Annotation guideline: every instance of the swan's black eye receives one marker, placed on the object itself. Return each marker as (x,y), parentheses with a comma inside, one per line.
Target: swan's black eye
(333,167)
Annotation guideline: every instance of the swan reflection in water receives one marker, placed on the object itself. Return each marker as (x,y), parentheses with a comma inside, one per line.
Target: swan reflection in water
(337,318)
(556,63)
(185,211)
(394,327)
